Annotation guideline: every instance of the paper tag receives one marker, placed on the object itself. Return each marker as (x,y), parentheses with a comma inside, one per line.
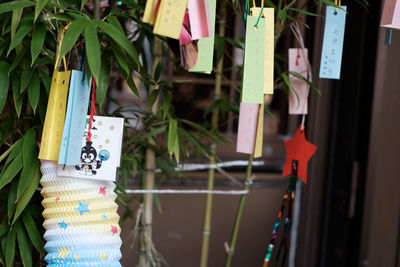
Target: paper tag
(100,158)
(247,128)
(205,46)
(253,77)
(332,46)
(55,115)
(260,133)
(149,11)
(391,14)
(170,17)
(199,16)
(269,16)
(298,64)
(75,119)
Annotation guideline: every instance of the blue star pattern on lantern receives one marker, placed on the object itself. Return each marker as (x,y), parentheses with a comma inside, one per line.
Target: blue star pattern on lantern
(63,225)
(82,208)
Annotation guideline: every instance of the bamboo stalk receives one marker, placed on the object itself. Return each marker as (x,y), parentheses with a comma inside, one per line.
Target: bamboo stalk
(239,213)
(146,243)
(214,125)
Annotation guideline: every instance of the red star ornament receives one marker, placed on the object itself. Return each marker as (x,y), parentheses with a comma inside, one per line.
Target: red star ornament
(298,148)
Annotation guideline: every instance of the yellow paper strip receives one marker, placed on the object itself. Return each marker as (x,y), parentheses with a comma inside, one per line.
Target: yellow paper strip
(260,133)
(269,16)
(170,18)
(55,116)
(149,11)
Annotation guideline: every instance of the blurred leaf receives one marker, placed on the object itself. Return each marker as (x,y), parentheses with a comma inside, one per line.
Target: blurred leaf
(24,247)
(4,228)
(158,70)
(233,43)
(219,43)
(11,171)
(72,34)
(15,19)
(33,232)
(28,193)
(10,248)
(17,59)
(12,196)
(38,36)
(93,53)
(102,83)
(289,85)
(152,98)
(34,91)
(17,148)
(40,4)
(195,142)
(45,78)
(9,6)
(29,159)
(19,36)
(173,139)
(4,83)
(120,39)
(83,3)
(114,21)
(26,78)
(18,98)
(166,104)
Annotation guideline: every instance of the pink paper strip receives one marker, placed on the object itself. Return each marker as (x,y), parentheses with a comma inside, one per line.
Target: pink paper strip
(199,16)
(298,64)
(247,129)
(391,14)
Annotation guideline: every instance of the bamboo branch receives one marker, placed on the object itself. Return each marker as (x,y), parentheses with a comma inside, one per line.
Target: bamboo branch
(239,213)
(146,246)
(214,125)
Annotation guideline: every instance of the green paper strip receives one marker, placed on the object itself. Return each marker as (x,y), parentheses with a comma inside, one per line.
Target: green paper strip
(253,77)
(205,46)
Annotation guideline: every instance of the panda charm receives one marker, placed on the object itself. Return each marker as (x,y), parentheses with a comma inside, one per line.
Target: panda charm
(89,164)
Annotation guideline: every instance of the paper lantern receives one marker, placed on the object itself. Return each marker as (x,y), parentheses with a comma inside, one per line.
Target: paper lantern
(81,220)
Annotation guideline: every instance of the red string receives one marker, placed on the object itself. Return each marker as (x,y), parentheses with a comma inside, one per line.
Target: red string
(92,109)
(299,19)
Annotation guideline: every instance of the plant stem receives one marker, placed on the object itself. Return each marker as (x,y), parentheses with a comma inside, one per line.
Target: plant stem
(96,9)
(214,125)
(146,243)
(239,213)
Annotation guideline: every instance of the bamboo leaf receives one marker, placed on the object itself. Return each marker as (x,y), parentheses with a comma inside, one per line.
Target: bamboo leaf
(83,3)
(9,6)
(11,171)
(17,147)
(39,34)
(289,85)
(15,19)
(93,53)
(72,34)
(120,39)
(114,21)
(28,193)
(26,78)
(34,91)
(10,248)
(40,4)
(19,36)
(18,98)
(24,247)
(158,70)
(173,139)
(102,82)
(33,232)
(17,59)
(4,83)
(12,196)
(45,78)
(29,160)
(152,98)
(195,142)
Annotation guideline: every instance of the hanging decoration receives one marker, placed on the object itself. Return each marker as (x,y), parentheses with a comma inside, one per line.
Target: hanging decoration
(55,113)
(81,220)
(298,148)
(332,46)
(205,45)
(187,46)
(278,248)
(391,14)
(170,18)
(300,75)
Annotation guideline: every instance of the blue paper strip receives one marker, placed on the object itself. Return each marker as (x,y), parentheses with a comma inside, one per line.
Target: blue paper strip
(388,36)
(75,119)
(332,46)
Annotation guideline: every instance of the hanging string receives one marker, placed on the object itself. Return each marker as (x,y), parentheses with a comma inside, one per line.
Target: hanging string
(59,48)
(246,10)
(92,110)
(337,3)
(294,27)
(259,16)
